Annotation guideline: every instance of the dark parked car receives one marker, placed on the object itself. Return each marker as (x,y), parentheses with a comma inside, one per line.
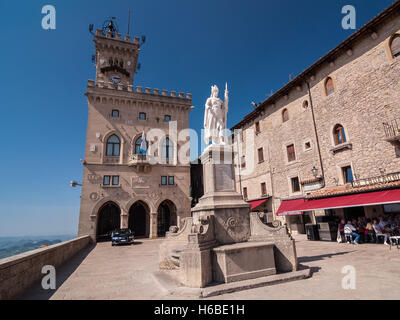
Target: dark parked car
(122,236)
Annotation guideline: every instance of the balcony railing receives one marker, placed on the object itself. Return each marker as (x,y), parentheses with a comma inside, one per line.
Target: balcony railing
(138,159)
(392,129)
(384,178)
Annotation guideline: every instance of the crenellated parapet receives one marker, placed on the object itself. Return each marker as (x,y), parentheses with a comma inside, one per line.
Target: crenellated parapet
(138,89)
(118,36)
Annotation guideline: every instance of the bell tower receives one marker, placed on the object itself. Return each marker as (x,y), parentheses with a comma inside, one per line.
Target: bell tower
(116,57)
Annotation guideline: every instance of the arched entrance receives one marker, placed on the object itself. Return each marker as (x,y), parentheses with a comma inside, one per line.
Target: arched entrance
(108,219)
(166,217)
(139,219)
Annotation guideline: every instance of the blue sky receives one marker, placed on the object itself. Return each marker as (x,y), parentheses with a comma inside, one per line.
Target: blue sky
(191,44)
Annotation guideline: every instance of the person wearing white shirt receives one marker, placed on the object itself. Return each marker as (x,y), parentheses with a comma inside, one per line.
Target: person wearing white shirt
(349,229)
(379,231)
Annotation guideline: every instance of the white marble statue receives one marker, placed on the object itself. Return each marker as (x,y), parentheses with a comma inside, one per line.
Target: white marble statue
(215,117)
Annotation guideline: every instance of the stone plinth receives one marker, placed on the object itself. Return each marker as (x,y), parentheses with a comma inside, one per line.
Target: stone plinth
(243,261)
(231,212)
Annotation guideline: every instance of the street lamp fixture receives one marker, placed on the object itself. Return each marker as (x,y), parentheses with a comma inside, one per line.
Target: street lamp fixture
(314,171)
(75,184)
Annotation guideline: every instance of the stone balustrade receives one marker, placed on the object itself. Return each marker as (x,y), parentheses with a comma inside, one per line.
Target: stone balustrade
(18,273)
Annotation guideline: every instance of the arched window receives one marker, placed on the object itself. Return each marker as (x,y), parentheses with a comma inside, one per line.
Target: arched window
(339,134)
(113,146)
(167,149)
(395,46)
(138,145)
(285,115)
(329,88)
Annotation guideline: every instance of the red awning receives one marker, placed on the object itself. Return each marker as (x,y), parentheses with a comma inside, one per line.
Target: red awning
(290,207)
(354,200)
(257,203)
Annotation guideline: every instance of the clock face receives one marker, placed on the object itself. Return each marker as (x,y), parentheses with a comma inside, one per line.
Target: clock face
(114,78)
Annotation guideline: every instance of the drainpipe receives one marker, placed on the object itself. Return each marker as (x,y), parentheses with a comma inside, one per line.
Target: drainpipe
(239,165)
(316,134)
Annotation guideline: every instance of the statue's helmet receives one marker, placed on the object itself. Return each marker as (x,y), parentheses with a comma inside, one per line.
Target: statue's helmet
(214,91)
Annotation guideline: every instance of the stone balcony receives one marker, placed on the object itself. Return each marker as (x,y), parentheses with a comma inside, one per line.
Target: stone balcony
(136,159)
(140,162)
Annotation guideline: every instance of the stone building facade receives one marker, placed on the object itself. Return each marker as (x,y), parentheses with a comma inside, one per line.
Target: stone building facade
(127,183)
(332,126)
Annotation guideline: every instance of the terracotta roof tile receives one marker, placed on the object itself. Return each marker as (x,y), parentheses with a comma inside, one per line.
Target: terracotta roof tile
(348,189)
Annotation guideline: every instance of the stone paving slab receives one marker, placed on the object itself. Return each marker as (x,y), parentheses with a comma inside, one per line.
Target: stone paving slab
(221,289)
(106,272)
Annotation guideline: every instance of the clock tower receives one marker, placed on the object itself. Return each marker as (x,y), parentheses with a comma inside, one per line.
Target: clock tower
(116,58)
(128,182)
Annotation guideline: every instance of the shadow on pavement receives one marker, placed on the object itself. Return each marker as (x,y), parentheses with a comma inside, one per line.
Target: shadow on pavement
(312,269)
(322,256)
(36,292)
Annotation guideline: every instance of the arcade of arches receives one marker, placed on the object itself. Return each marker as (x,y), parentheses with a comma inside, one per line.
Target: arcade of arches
(139,219)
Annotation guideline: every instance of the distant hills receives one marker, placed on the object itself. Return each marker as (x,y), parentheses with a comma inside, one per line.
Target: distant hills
(10,246)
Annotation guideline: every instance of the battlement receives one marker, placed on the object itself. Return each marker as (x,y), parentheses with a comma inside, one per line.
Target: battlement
(139,89)
(118,36)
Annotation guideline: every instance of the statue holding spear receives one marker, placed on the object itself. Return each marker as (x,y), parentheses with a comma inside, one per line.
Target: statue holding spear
(215,117)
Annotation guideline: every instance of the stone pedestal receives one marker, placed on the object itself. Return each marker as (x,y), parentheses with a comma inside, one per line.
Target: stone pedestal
(223,242)
(196,267)
(231,212)
(243,261)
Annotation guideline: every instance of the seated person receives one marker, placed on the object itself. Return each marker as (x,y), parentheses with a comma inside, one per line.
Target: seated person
(349,229)
(368,226)
(368,229)
(391,222)
(382,223)
(379,231)
(361,222)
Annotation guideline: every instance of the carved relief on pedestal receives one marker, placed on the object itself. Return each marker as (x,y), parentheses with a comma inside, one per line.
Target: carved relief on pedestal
(232,223)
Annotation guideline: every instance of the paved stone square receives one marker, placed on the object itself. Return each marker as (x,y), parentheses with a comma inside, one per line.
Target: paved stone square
(105,272)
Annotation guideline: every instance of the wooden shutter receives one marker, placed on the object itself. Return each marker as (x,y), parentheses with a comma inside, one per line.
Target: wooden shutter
(395,46)
(290,153)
